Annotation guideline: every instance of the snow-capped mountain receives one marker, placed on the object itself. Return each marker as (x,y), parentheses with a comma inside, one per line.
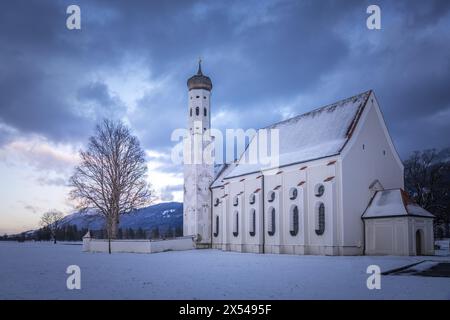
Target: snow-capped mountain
(162,215)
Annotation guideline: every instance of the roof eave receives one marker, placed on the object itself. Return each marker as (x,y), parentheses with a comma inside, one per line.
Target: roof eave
(284,166)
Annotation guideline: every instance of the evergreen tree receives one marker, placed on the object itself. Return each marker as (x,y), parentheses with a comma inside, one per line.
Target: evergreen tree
(131,234)
(140,233)
(155,233)
(178,231)
(169,232)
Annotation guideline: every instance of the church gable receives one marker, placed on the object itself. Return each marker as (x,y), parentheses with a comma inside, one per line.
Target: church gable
(371,109)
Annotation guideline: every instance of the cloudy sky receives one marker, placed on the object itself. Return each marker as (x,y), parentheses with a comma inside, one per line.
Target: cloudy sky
(268,60)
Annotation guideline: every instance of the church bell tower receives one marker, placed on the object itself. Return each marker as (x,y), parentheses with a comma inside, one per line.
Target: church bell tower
(198,171)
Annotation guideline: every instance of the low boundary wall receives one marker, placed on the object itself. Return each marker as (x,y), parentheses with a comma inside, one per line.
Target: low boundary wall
(138,246)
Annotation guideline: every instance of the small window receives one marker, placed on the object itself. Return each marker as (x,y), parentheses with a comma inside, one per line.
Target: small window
(320,219)
(319,190)
(271,196)
(364,146)
(294,221)
(204,97)
(197,97)
(191,97)
(197,111)
(384,152)
(204,112)
(271,226)
(252,198)
(235,201)
(252,230)
(293,193)
(216,202)
(236,224)
(216,230)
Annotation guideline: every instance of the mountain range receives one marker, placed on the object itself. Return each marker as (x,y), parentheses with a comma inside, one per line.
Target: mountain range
(163,215)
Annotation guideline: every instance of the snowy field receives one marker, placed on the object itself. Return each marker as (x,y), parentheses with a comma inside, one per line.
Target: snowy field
(37,271)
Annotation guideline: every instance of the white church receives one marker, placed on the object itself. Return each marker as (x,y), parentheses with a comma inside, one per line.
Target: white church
(338,188)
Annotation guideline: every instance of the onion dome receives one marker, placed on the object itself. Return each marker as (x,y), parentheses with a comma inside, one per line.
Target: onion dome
(199,81)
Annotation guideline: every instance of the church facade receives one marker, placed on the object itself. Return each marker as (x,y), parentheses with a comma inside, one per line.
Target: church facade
(338,188)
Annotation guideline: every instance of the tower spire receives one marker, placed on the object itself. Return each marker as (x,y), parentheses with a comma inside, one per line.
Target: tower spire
(199,72)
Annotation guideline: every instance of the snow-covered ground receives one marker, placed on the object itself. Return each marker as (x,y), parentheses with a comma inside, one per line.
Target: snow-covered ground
(37,270)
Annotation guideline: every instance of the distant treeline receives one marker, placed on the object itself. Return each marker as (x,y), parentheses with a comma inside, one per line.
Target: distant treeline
(72,233)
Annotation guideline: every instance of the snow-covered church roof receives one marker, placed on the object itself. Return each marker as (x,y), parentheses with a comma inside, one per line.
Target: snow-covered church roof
(317,134)
(224,170)
(394,203)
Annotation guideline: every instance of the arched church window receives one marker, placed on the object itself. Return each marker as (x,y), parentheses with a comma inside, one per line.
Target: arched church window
(293,193)
(236,224)
(216,230)
(191,112)
(252,198)
(204,112)
(319,190)
(197,111)
(252,229)
(320,219)
(271,196)
(271,226)
(235,201)
(294,221)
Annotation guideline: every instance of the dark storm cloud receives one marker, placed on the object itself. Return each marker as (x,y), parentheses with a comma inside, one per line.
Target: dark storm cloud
(97,97)
(261,55)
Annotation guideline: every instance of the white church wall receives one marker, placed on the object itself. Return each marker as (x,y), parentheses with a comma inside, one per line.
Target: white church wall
(306,241)
(273,183)
(241,188)
(425,227)
(217,210)
(226,221)
(318,173)
(368,156)
(387,236)
(237,206)
(397,236)
(253,242)
(292,176)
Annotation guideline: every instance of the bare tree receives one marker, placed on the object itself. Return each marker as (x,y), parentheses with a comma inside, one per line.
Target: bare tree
(427,180)
(111,177)
(50,220)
